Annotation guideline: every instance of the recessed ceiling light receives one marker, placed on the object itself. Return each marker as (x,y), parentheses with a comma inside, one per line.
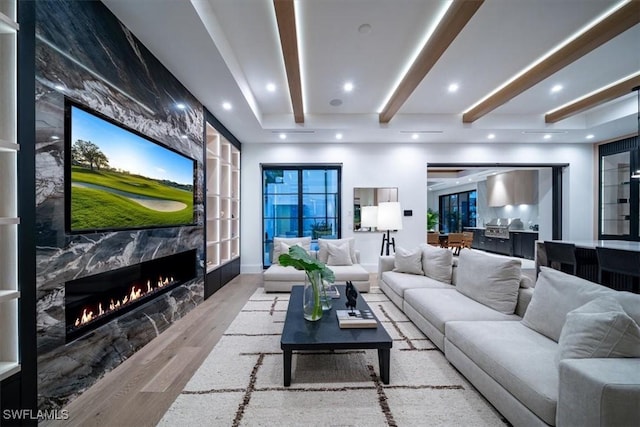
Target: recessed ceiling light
(547,136)
(556,88)
(364,29)
(271,87)
(283,136)
(181,106)
(491,136)
(338,136)
(414,136)
(590,136)
(55,137)
(226,105)
(348,87)
(184,137)
(453,87)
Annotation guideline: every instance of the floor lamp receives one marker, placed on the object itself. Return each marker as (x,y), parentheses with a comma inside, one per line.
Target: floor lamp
(389,219)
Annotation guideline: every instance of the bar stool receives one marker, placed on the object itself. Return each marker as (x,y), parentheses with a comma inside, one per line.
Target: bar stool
(620,262)
(563,254)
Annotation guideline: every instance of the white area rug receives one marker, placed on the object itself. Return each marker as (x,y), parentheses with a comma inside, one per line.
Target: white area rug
(241,381)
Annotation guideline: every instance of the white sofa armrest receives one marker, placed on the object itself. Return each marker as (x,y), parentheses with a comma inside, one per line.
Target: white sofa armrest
(385,263)
(524,298)
(599,392)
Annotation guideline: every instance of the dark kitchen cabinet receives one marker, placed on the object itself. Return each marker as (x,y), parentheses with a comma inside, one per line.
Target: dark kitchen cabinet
(478,240)
(502,246)
(523,244)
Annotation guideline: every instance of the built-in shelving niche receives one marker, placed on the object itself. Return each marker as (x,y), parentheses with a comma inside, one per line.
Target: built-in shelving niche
(9,221)
(222,209)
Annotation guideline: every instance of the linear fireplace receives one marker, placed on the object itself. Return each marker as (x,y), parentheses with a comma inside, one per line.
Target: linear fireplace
(93,301)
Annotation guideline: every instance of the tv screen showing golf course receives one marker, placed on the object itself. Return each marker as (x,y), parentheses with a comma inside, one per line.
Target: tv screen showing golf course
(117,179)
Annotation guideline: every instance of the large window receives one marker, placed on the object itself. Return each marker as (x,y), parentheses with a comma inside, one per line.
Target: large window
(299,201)
(457,211)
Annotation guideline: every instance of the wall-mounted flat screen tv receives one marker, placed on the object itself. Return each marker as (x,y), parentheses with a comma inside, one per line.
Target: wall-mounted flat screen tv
(117,178)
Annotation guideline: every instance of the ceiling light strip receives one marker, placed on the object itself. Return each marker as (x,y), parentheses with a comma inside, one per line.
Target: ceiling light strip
(615,21)
(607,93)
(286,18)
(449,24)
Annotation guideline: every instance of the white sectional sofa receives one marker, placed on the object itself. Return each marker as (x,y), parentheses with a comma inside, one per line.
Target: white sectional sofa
(565,353)
(340,256)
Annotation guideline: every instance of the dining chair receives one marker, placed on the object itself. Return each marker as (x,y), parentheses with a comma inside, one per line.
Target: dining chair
(433,239)
(467,239)
(454,242)
(625,266)
(562,255)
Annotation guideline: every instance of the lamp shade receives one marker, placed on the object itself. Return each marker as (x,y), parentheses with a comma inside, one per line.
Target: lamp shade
(369,216)
(389,216)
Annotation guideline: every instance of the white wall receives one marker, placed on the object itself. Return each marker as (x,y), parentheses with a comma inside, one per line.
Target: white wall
(404,166)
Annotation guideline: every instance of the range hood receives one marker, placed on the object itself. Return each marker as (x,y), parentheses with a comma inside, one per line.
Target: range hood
(518,187)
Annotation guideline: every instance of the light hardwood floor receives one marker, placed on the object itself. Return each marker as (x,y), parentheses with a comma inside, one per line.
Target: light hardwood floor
(140,390)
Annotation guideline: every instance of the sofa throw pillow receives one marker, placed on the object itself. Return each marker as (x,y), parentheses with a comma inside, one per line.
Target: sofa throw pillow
(278,249)
(408,261)
(323,251)
(339,254)
(437,263)
(600,328)
(489,280)
(556,294)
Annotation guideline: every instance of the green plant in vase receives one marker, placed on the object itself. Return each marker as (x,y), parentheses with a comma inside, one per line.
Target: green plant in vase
(316,272)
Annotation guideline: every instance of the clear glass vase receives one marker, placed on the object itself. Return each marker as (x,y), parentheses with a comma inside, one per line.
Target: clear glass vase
(325,296)
(311,301)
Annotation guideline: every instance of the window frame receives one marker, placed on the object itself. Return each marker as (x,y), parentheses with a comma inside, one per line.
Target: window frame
(301,168)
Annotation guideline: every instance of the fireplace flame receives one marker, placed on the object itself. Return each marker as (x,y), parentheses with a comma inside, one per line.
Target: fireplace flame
(135,293)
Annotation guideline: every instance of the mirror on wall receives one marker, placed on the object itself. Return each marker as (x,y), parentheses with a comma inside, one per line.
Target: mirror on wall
(365,202)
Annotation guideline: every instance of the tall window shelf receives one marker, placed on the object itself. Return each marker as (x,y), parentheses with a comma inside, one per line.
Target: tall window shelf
(223,200)
(9,221)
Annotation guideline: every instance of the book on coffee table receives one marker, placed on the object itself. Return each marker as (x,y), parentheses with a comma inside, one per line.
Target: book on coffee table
(356,319)
(333,293)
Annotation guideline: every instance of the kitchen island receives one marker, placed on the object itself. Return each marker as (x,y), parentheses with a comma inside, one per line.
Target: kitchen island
(587,260)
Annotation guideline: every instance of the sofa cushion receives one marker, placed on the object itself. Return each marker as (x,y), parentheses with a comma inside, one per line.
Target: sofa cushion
(600,328)
(399,282)
(557,293)
(339,254)
(437,263)
(323,250)
(279,248)
(439,306)
(408,261)
(354,272)
(277,272)
(519,359)
(490,280)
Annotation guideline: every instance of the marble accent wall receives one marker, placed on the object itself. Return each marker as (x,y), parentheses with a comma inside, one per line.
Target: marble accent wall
(83,52)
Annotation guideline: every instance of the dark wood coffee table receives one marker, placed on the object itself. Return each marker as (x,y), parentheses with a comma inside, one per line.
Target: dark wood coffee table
(325,334)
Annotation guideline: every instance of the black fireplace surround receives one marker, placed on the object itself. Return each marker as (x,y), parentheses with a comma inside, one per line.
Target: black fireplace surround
(93,301)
